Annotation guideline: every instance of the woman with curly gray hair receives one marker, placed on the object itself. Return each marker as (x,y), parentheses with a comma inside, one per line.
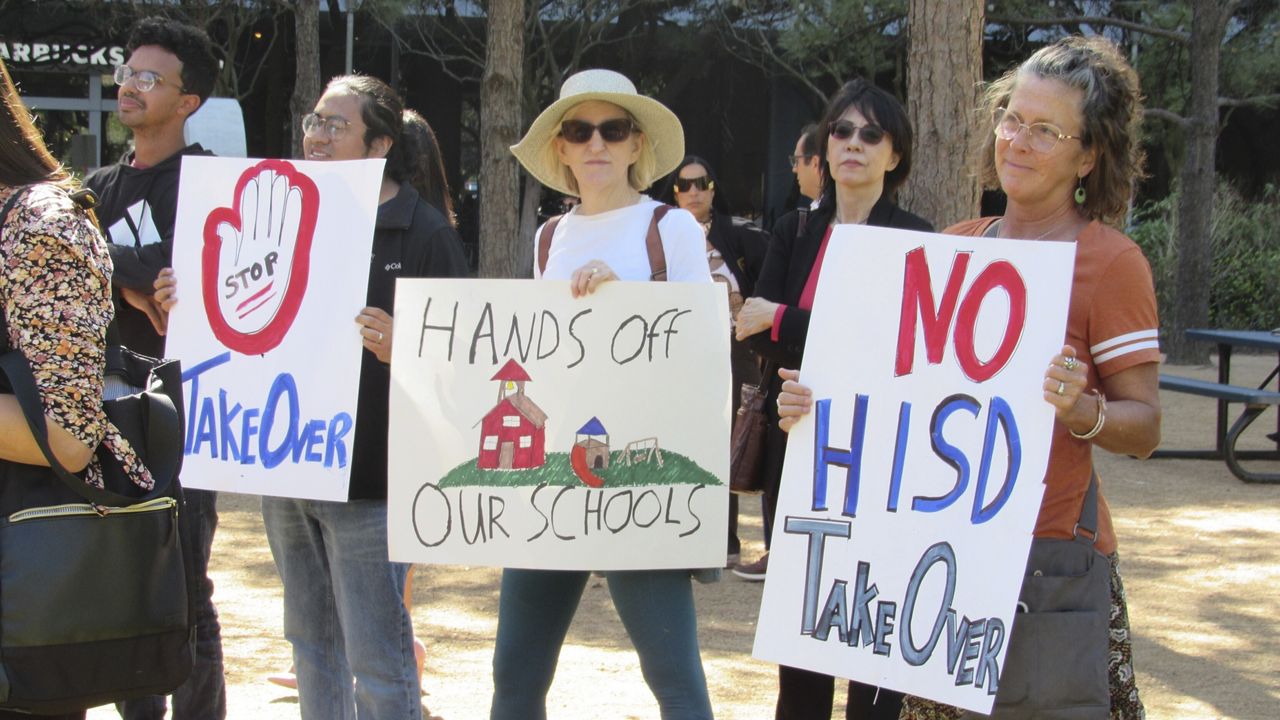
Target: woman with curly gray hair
(1064,149)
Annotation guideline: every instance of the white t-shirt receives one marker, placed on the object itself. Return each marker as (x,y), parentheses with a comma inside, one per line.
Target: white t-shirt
(617,238)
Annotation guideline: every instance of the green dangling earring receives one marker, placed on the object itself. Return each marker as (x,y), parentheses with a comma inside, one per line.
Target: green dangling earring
(1080,194)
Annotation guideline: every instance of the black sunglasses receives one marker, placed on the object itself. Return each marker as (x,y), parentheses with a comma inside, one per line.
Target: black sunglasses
(684,185)
(611,131)
(842,130)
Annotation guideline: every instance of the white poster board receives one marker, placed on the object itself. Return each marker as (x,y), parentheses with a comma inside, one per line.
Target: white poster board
(531,429)
(271,259)
(909,494)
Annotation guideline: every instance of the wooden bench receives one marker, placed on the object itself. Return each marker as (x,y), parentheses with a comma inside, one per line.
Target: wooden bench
(1255,401)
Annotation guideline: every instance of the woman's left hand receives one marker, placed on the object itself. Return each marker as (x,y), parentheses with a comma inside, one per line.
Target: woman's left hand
(794,401)
(587,278)
(1064,382)
(755,316)
(375,332)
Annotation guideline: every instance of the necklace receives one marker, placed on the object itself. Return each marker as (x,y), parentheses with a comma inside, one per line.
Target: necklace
(998,228)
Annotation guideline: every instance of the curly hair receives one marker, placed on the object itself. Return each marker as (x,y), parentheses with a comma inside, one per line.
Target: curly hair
(188,43)
(1111,113)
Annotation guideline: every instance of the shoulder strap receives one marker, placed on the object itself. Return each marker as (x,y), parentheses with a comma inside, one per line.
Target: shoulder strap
(653,245)
(544,242)
(1088,521)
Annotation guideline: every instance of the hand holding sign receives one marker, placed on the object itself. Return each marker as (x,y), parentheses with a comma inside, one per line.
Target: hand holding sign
(256,256)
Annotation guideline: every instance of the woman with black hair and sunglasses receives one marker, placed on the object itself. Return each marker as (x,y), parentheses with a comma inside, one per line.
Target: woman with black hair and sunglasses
(735,255)
(866,156)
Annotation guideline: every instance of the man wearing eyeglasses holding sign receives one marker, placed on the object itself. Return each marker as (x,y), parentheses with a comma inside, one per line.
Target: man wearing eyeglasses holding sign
(168,76)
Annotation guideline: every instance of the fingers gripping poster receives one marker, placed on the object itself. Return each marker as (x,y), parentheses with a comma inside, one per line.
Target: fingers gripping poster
(532,429)
(911,489)
(271,260)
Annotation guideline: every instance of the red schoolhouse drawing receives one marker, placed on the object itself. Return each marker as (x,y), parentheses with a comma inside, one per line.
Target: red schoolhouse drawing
(512,434)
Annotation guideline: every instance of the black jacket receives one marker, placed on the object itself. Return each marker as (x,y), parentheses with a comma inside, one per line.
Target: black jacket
(154,192)
(411,239)
(743,247)
(787,268)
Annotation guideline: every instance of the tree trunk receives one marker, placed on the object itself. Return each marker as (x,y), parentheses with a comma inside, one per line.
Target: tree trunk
(1197,179)
(500,235)
(306,85)
(944,69)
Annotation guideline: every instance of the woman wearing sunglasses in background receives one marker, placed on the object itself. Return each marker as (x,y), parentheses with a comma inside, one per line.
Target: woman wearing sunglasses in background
(735,254)
(866,156)
(604,143)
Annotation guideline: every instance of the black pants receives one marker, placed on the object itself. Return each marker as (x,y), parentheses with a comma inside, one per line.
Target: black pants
(775,448)
(805,695)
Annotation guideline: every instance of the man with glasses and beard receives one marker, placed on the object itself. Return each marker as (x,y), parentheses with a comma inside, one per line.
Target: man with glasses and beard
(169,74)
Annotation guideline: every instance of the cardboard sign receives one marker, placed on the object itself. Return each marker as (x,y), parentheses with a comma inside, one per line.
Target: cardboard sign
(911,490)
(271,259)
(531,429)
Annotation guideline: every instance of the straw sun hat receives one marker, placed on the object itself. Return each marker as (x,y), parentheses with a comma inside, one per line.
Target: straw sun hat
(661,128)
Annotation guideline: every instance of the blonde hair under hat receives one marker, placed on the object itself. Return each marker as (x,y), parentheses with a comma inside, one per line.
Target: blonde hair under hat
(663,136)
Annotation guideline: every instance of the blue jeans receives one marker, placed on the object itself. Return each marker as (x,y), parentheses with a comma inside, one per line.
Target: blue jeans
(204,695)
(656,608)
(344,609)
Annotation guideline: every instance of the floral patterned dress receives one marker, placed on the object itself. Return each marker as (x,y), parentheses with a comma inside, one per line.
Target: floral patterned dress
(55,286)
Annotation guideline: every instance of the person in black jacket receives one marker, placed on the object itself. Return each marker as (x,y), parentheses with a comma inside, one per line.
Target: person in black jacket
(866,156)
(735,253)
(353,645)
(168,76)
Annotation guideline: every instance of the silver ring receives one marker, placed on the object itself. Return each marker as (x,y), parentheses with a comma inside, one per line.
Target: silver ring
(595,270)
(1069,363)
(1062,387)
(380,336)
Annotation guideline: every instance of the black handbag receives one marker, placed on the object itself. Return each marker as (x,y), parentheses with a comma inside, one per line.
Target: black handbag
(1056,665)
(95,583)
(747,442)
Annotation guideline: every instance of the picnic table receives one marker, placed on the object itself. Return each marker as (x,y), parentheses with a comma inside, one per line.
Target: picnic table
(1255,401)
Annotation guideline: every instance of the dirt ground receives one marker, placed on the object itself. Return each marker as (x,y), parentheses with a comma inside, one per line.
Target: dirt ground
(1201,561)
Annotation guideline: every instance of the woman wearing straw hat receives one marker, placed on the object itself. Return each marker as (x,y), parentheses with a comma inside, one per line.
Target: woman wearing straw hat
(604,143)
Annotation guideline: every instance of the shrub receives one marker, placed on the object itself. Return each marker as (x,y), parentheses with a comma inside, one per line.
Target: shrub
(1245,236)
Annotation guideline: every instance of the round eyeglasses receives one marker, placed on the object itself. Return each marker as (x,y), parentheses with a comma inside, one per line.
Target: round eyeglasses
(144,80)
(333,126)
(1043,137)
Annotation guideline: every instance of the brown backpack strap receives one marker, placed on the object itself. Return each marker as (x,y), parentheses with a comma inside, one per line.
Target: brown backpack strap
(544,242)
(653,245)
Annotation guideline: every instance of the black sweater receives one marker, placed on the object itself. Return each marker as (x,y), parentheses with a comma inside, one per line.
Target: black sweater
(411,239)
(787,268)
(149,197)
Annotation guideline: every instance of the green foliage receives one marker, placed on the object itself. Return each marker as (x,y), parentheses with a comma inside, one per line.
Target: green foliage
(677,469)
(818,44)
(1245,276)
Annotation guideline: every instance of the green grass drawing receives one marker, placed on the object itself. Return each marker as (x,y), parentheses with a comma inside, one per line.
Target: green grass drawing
(677,469)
